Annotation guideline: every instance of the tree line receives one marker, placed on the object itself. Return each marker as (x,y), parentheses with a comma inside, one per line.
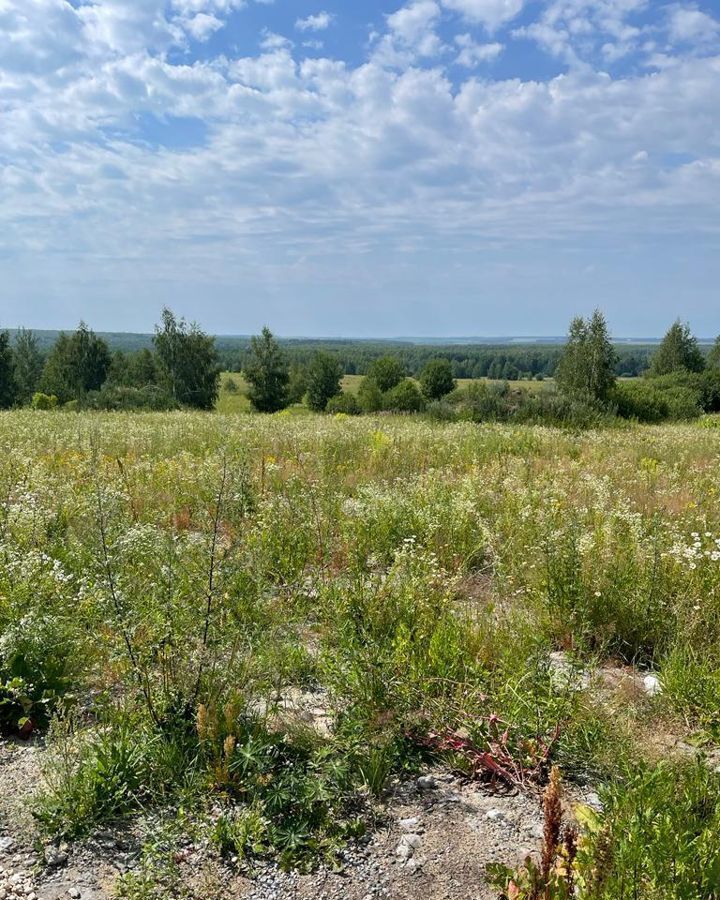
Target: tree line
(80,371)
(181,368)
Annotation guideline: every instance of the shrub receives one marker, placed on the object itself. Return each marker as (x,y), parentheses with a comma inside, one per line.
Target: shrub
(404,397)
(370,396)
(346,403)
(150,397)
(43,401)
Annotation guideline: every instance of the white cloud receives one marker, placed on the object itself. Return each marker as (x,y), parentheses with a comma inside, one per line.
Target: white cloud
(472,53)
(202,25)
(287,160)
(318,22)
(581,31)
(490,13)
(690,24)
(411,35)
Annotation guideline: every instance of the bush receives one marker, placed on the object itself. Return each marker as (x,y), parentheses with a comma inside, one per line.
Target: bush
(404,397)
(658,399)
(43,401)
(370,396)
(150,397)
(344,403)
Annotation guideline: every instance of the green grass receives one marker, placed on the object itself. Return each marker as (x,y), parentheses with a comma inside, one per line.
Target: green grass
(174,574)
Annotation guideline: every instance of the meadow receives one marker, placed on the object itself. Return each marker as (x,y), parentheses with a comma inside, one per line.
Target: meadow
(170,580)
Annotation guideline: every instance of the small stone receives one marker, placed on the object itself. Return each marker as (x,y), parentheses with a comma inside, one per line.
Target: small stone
(495,815)
(411,824)
(6,844)
(54,857)
(652,685)
(74,893)
(426,783)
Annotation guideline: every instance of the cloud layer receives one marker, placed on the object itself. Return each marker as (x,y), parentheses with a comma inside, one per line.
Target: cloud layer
(128,153)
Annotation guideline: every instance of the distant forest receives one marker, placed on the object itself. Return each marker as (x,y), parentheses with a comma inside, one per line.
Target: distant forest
(504,361)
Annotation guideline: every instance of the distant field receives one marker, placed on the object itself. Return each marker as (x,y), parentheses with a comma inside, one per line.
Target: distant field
(351,383)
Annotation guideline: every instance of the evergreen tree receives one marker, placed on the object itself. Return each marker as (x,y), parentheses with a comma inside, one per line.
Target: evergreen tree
(678,352)
(28,364)
(267,373)
(77,364)
(323,380)
(436,379)
(586,369)
(8,384)
(187,362)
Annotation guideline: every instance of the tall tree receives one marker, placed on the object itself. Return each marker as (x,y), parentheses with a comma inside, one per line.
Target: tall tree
(323,380)
(188,362)
(28,364)
(78,363)
(8,384)
(586,369)
(678,352)
(268,373)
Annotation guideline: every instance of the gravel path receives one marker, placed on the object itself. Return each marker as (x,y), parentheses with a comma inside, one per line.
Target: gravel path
(440,834)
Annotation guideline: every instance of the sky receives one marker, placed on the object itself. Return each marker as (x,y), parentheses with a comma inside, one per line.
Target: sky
(360,167)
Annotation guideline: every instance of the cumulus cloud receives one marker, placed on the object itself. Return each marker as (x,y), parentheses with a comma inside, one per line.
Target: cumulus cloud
(491,13)
(472,53)
(690,24)
(318,22)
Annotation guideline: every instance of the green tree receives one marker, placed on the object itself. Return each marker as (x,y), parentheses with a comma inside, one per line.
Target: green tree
(679,351)
(436,379)
(8,383)
(28,364)
(713,357)
(324,375)
(386,372)
(78,363)
(404,397)
(267,373)
(586,369)
(370,397)
(187,362)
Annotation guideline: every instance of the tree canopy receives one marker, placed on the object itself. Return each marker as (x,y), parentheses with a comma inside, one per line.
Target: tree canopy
(267,372)
(679,351)
(188,362)
(586,370)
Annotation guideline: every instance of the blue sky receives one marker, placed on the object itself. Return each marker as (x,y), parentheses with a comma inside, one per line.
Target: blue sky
(438,167)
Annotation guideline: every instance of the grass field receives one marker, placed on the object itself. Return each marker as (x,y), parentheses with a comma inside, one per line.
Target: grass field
(167,577)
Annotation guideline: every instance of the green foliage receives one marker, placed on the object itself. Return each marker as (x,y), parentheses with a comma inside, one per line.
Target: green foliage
(657,837)
(28,364)
(268,374)
(679,351)
(77,364)
(586,370)
(188,362)
(404,397)
(370,397)
(671,397)
(387,372)
(150,397)
(346,403)
(436,379)
(324,375)
(9,388)
(43,401)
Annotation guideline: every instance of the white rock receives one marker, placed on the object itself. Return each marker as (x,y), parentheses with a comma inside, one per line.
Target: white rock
(409,824)
(426,783)
(652,685)
(495,815)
